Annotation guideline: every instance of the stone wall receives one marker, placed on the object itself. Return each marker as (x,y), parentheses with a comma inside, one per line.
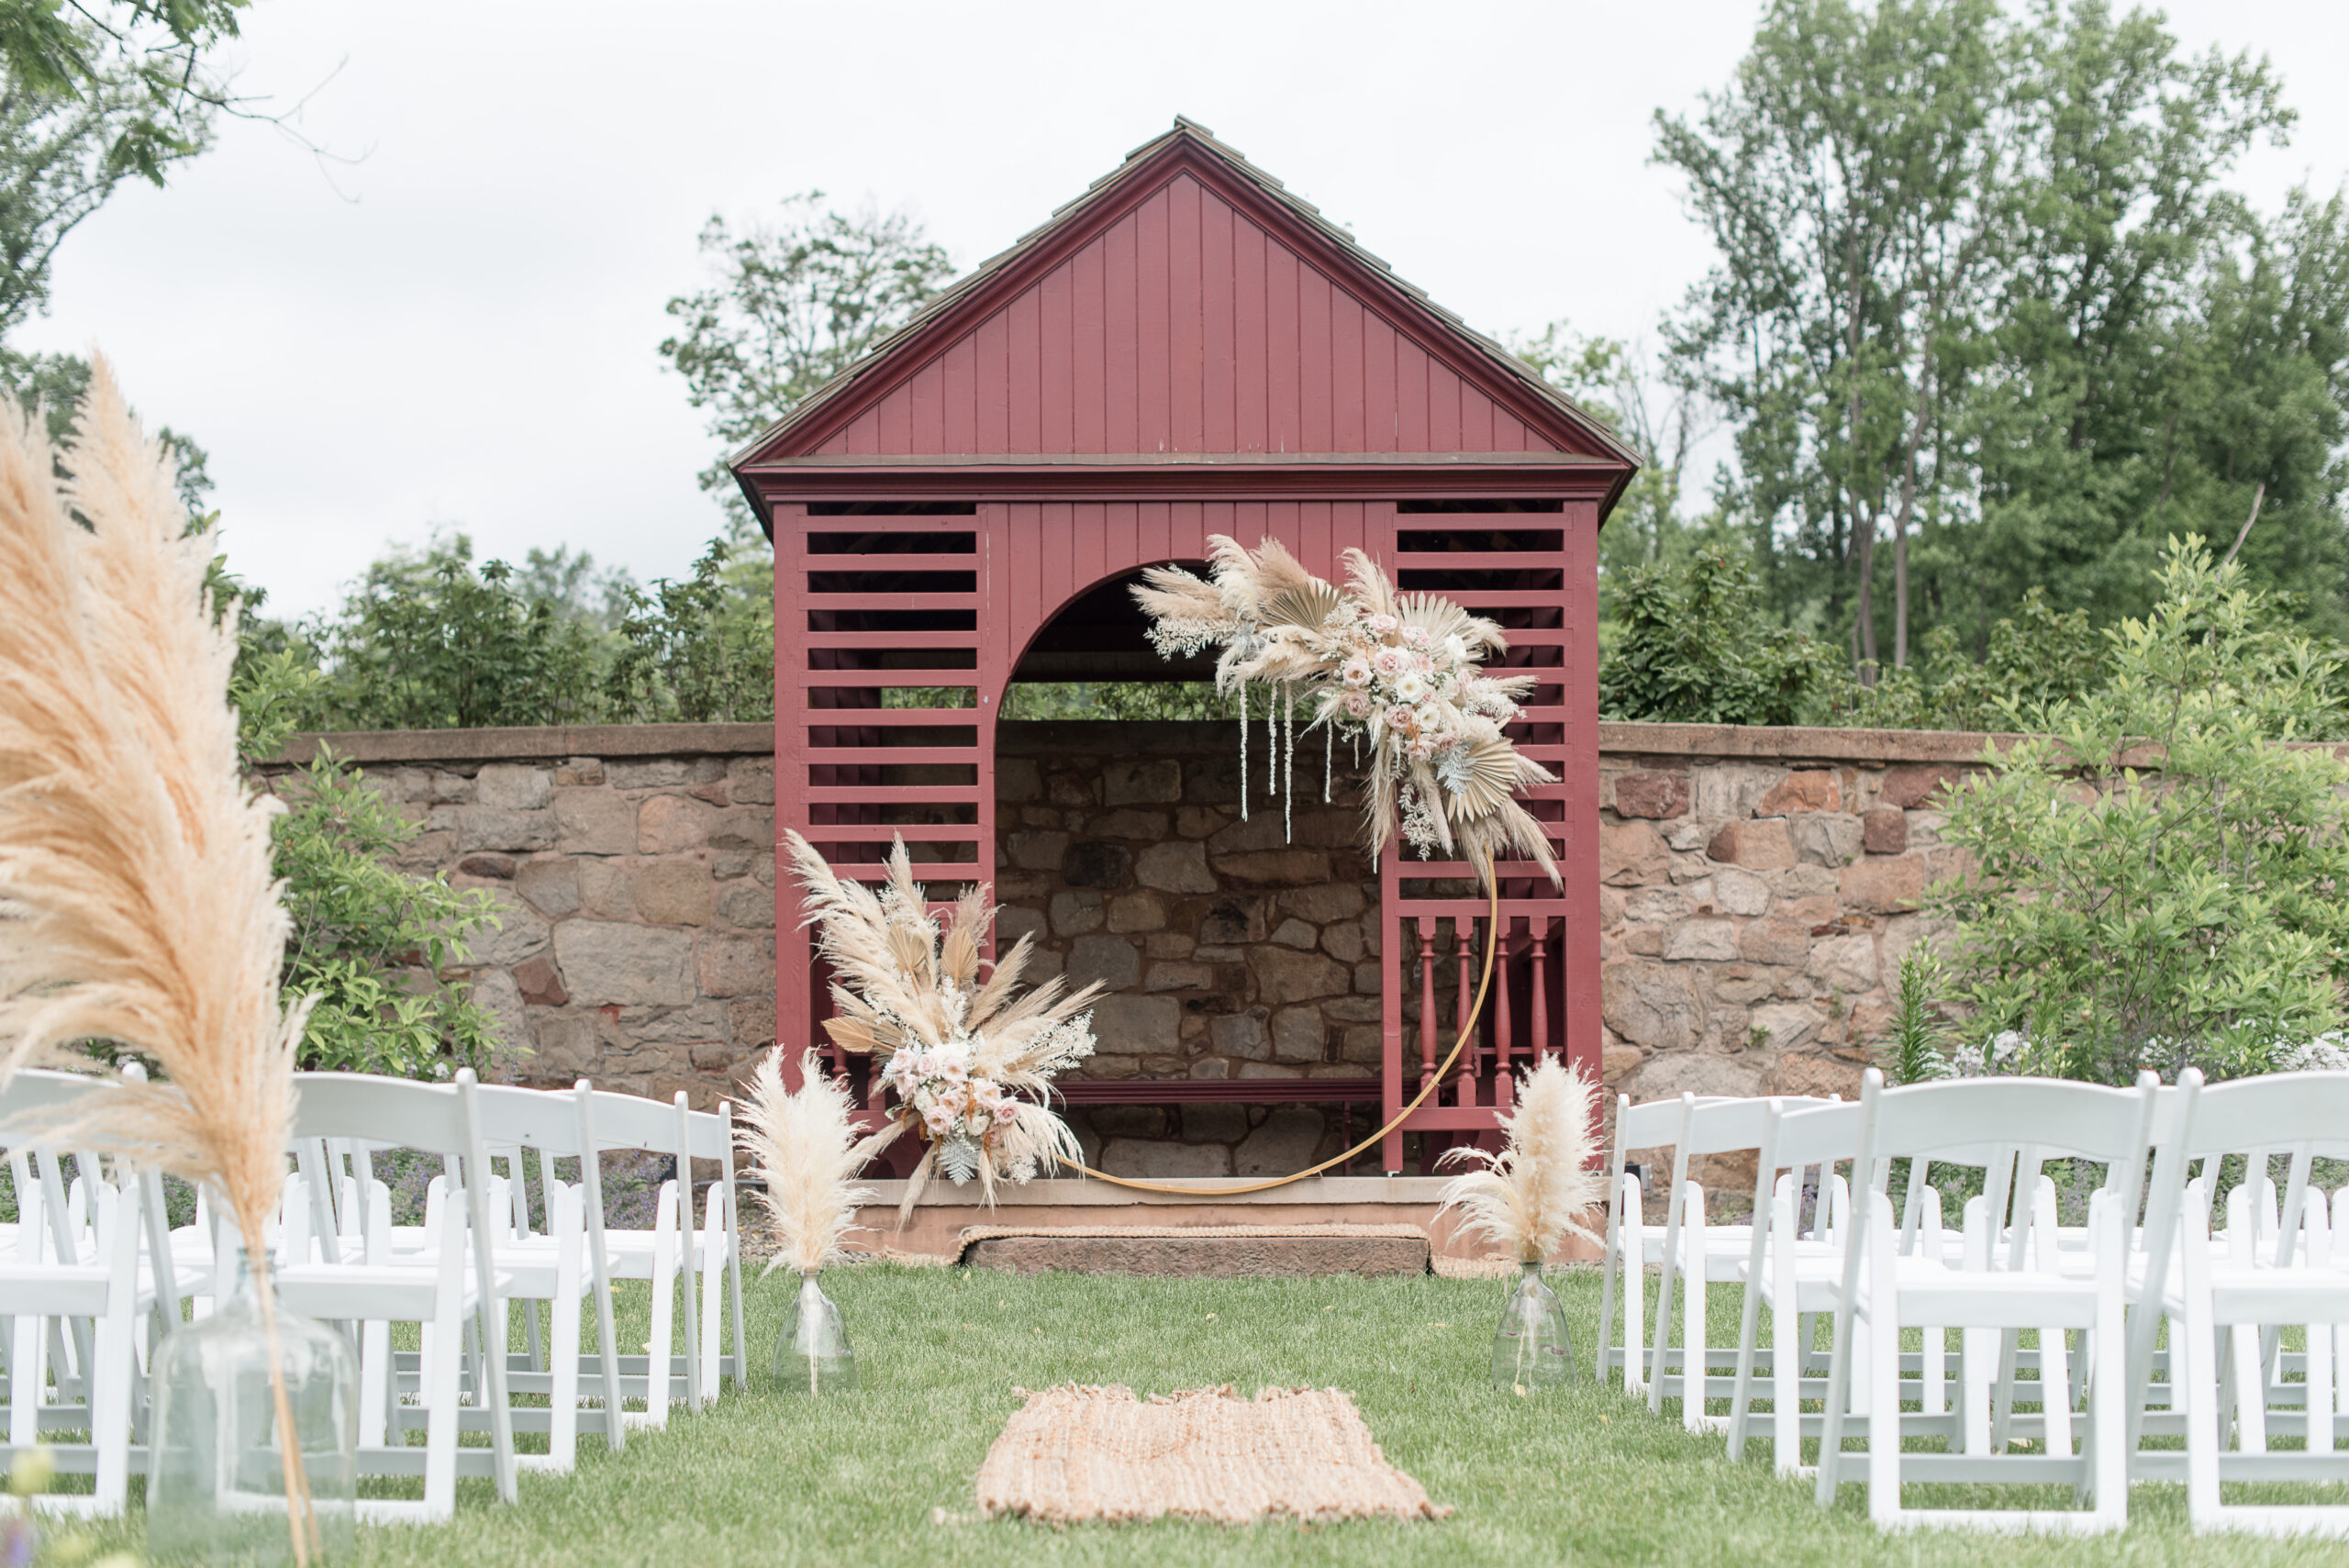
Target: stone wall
(1761,885)
(1760,889)
(633,868)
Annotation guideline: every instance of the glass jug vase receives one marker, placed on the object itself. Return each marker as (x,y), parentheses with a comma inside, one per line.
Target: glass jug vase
(812,1354)
(1532,1352)
(217,1483)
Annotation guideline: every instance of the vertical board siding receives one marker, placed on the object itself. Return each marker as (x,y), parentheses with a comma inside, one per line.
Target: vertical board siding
(1187,325)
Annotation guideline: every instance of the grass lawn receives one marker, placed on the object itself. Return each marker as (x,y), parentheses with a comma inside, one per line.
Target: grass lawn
(1578,1477)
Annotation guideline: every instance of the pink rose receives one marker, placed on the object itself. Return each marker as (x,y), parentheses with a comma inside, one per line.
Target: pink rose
(1390,662)
(1416,636)
(1381,626)
(1357,704)
(1355,673)
(1402,719)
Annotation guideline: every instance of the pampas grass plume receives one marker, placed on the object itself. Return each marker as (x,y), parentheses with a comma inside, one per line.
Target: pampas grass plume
(138,902)
(1532,1195)
(806,1153)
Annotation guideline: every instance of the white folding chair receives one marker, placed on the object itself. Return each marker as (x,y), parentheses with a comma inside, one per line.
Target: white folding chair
(70,1293)
(2227,1297)
(1796,1274)
(661,1255)
(1887,1292)
(1632,1248)
(459,1283)
(709,1135)
(560,1266)
(1697,1250)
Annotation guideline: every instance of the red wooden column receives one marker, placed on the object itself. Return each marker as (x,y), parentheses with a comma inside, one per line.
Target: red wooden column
(1578,936)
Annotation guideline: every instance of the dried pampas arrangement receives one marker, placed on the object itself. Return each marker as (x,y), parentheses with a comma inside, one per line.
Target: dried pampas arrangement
(135,875)
(1403,671)
(805,1151)
(962,1055)
(1532,1195)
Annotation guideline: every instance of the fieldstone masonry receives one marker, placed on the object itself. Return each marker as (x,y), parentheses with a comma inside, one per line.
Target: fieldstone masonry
(1760,886)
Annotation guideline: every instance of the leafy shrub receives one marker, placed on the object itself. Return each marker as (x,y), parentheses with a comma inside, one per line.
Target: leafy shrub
(2033,660)
(1693,645)
(2160,875)
(433,642)
(372,943)
(694,652)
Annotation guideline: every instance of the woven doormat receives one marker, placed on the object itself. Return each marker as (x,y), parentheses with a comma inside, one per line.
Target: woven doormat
(1077,1452)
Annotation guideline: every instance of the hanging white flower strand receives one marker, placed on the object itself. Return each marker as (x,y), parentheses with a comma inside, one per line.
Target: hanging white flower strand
(1403,671)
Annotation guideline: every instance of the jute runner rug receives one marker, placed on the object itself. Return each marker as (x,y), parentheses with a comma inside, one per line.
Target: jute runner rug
(1078,1452)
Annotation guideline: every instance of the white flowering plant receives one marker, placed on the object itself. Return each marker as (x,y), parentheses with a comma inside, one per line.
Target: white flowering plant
(1401,672)
(969,1061)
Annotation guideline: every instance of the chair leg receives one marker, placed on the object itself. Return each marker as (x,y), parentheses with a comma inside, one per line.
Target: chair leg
(439,1387)
(1787,1354)
(657,1378)
(1882,1349)
(562,1434)
(2055,1390)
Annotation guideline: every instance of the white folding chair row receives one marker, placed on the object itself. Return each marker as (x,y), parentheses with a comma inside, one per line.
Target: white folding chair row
(461,1283)
(70,1297)
(1695,1252)
(2227,1295)
(1886,1291)
(1632,1246)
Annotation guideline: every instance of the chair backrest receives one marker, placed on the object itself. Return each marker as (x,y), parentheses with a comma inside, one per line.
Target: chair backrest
(2283,1112)
(32,1090)
(434,1118)
(1810,1134)
(632,1121)
(1652,1123)
(547,1120)
(1722,1127)
(2053,1115)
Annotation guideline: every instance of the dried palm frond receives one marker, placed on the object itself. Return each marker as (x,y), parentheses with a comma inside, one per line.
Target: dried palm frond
(909,991)
(1532,1195)
(134,860)
(1439,762)
(805,1151)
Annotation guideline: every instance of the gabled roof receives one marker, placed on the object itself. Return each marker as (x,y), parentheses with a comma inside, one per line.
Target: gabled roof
(1500,375)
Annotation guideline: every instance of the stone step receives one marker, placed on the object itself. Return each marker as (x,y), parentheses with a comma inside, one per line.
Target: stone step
(1221,1252)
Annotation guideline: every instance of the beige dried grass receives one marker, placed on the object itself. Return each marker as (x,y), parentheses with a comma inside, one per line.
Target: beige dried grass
(805,1152)
(134,860)
(1532,1195)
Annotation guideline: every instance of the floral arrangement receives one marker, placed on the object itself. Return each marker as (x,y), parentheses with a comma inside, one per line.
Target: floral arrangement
(1403,673)
(971,1062)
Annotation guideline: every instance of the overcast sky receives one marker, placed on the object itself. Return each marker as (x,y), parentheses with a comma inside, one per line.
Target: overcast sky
(461,329)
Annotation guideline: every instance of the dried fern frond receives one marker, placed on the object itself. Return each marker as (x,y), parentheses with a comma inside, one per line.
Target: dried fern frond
(805,1154)
(1532,1195)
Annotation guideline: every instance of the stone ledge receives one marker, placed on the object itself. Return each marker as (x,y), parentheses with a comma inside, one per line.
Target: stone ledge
(1233,1252)
(1063,1192)
(540,740)
(1808,744)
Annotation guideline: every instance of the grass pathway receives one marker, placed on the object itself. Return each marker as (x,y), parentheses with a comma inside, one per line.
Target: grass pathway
(1584,1477)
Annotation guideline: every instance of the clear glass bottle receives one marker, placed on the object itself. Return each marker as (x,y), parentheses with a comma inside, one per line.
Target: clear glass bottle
(215,1486)
(812,1354)
(1532,1352)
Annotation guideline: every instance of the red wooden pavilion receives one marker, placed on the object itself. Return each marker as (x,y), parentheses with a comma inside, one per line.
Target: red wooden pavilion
(1188,348)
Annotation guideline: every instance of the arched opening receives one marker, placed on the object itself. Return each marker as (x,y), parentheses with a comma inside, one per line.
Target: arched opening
(1242,1032)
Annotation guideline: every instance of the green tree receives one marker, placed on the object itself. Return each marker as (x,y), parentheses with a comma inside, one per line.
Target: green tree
(795,303)
(1693,645)
(381,949)
(2158,875)
(1982,291)
(430,641)
(696,652)
(1851,180)
(1657,410)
